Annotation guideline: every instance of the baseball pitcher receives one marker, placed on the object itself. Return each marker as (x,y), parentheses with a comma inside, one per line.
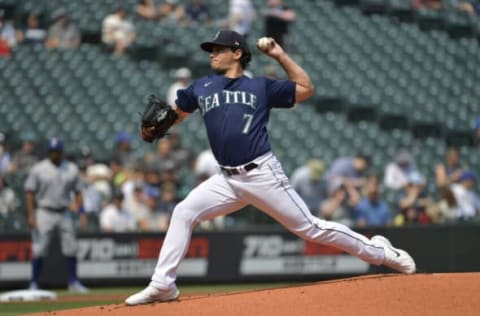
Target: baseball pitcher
(235,110)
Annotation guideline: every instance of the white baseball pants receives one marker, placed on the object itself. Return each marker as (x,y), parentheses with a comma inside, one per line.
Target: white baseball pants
(266,188)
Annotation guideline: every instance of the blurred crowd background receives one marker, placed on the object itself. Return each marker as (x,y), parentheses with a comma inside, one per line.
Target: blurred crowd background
(391,137)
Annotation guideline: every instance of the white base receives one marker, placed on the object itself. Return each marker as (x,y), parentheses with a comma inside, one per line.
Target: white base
(28,295)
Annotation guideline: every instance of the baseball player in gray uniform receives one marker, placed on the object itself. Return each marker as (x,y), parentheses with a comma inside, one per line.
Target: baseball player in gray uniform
(48,192)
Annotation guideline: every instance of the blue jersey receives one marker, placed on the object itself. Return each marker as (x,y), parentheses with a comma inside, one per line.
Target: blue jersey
(236,113)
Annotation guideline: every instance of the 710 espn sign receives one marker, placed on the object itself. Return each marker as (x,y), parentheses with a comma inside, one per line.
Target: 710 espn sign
(279,254)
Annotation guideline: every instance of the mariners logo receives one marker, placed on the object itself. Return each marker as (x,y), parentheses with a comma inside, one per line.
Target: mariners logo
(162,116)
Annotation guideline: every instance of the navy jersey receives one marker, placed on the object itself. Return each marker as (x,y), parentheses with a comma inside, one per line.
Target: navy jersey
(236,113)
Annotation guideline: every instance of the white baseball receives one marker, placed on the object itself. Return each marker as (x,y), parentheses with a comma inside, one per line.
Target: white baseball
(264,42)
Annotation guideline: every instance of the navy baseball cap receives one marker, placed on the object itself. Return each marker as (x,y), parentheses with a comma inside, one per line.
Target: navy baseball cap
(123,137)
(55,144)
(227,38)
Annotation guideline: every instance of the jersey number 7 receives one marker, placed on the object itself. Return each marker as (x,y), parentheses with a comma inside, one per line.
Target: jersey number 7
(248,121)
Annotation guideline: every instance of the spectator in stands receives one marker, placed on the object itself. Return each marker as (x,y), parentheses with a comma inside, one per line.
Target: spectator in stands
(8,39)
(338,206)
(351,170)
(183,156)
(172,11)
(241,15)
(152,176)
(277,18)
(165,154)
(205,165)
(471,7)
(85,157)
(413,202)
(97,188)
(146,9)
(33,33)
(467,198)
(477,132)
(151,221)
(5,156)
(122,150)
(446,209)
(24,158)
(114,218)
(63,33)
(197,12)
(93,205)
(136,205)
(270,71)
(182,80)
(118,34)
(135,176)
(450,170)
(397,172)
(168,200)
(372,210)
(169,174)
(7,198)
(307,181)
(120,173)
(428,4)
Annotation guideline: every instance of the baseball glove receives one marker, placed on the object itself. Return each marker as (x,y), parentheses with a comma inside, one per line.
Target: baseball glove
(157,118)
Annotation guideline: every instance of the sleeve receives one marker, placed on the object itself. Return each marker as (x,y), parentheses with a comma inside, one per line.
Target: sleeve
(280,93)
(31,184)
(186,100)
(105,220)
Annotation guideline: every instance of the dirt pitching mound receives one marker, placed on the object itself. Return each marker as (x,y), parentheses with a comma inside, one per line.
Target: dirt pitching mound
(418,294)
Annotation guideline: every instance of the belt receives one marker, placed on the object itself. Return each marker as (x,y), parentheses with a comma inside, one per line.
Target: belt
(54,209)
(230,171)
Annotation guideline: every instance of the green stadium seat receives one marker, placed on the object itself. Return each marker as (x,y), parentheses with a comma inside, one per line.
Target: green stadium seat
(405,74)
(459,24)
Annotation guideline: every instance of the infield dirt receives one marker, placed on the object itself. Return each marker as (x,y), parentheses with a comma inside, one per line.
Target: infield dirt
(392,294)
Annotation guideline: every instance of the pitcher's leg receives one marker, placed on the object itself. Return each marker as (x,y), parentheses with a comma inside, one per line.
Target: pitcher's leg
(281,201)
(212,198)
(296,217)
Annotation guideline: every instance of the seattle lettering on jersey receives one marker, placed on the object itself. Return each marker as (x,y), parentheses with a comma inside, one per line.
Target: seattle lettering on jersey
(235,112)
(208,103)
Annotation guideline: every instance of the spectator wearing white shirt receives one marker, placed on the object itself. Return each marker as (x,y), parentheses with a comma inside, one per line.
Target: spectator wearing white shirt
(118,34)
(398,171)
(307,181)
(63,32)
(5,156)
(241,15)
(468,201)
(114,218)
(8,39)
(205,165)
(182,79)
(7,198)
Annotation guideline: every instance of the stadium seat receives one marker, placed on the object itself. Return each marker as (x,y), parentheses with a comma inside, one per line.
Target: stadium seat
(375,90)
